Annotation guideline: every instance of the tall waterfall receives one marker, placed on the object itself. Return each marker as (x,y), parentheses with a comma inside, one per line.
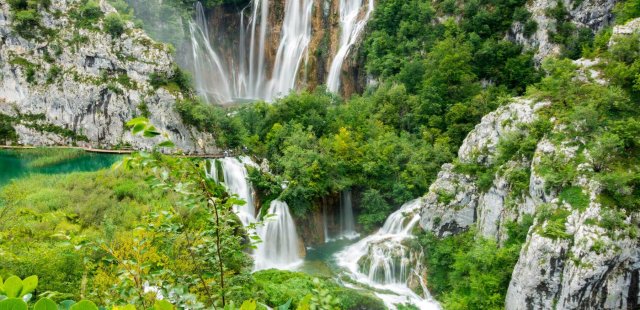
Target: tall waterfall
(236,182)
(382,261)
(294,41)
(279,247)
(347,221)
(246,74)
(352,23)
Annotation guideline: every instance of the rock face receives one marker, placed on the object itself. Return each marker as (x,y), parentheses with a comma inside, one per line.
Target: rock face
(81,86)
(454,201)
(571,259)
(590,14)
(589,268)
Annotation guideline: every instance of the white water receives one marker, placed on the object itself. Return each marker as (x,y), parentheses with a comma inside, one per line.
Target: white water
(294,41)
(236,182)
(381,260)
(347,221)
(279,248)
(352,23)
(246,74)
(208,69)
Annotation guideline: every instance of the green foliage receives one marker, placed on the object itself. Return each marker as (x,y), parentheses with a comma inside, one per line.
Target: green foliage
(7,132)
(53,74)
(91,11)
(210,118)
(29,67)
(45,304)
(470,272)
(13,304)
(571,37)
(575,197)
(26,18)
(114,25)
(277,287)
(176,81)
(375,208)
(626,10)
(553,222)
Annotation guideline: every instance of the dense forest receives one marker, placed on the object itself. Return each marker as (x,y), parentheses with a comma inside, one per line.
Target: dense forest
(159,230)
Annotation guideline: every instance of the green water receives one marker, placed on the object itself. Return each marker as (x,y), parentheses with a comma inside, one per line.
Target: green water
(320,261)
(15,164)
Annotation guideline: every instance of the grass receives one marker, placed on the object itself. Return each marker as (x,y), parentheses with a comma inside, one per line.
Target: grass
(574,196)
(46,222)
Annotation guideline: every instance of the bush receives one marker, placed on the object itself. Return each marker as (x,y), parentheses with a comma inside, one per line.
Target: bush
(469,272)
(91,10)
(114,25)
(276,287)
(26,19)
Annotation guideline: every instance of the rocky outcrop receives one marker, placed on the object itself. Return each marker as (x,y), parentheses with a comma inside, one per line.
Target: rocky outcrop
(589,14)
(578,253)
(455,202)
(81,85)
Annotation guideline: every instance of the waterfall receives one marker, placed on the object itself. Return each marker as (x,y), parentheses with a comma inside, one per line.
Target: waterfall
(347,222)
(236,182)
(294,40)
(351,26)
(325,225)
(210,73)
(383,261)
(245,75)
(279,247)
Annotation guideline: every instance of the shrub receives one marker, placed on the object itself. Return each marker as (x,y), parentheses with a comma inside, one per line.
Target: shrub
(114,25)
(91,10)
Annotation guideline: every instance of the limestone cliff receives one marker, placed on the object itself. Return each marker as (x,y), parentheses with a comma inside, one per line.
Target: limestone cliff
(573,257)
(72,84)
(590,15)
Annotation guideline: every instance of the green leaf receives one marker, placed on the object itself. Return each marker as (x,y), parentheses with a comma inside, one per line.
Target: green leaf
(163,305)
(13,287)
(137,120)
(127,307)
(167,143)
(150,133)
(29,285)
(84,305)
(13,304)
(137,128)
(248,305)
(45,304)
(285,306)
(66,304)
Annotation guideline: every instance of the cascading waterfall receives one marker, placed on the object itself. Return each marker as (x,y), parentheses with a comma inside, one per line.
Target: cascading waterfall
(347,222)
(245,75)
(236,182)
(279,247)
(382,261)
(352,24)
(295,38)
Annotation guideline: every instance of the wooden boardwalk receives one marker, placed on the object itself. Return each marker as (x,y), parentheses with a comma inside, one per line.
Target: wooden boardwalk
(109,151)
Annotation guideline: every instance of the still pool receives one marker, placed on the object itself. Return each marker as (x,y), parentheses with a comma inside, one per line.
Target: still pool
(320,260)
(20,163)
